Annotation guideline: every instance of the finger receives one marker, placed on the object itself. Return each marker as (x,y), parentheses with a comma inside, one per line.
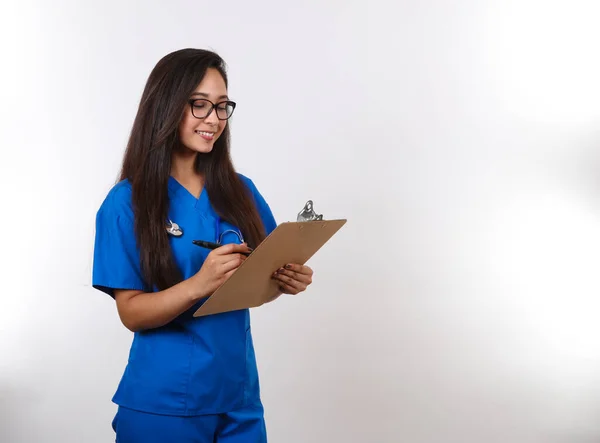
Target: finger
(306,279)
(232,264)
(287,289)
(232,257)
(300,269)
(232,248)
(228,274)
(219,261)
(298,285)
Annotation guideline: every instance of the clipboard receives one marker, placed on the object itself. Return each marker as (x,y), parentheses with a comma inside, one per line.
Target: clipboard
(251,284)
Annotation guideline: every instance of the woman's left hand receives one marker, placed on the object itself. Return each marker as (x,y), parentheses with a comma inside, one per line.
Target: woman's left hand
(293,278)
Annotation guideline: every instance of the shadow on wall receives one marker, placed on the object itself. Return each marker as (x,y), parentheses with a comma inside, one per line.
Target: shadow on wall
(585,173)
(13,416)
(573,437)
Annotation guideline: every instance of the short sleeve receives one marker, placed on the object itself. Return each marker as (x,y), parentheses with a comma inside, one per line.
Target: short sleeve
(116,262)
(263,207)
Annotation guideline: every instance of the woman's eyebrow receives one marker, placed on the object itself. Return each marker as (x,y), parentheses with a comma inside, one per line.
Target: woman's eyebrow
(203,94)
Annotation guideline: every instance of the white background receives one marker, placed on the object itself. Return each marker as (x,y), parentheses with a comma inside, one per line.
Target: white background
(459,138)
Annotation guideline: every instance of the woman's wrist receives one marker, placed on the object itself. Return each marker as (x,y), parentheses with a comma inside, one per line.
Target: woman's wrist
(194,289)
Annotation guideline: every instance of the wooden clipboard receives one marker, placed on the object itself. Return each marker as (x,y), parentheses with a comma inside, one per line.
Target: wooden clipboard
(251,285)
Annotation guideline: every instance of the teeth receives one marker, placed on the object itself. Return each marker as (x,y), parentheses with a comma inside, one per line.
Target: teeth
(208,134)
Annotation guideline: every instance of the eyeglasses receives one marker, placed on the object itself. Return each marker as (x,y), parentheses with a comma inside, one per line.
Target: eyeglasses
(201,108)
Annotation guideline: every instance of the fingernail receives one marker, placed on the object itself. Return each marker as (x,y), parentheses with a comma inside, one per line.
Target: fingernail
(288,266)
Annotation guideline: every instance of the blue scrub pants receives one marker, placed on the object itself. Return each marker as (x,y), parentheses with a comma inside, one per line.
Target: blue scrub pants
(241,426)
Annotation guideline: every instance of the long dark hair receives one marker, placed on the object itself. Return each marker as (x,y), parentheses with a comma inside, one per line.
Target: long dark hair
(147,164)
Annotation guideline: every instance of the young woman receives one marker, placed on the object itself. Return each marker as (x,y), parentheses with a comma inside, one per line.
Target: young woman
(187,379)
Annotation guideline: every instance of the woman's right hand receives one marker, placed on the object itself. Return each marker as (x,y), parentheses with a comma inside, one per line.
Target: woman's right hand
(218,267)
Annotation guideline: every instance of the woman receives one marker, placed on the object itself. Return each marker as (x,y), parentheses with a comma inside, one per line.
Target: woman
(187,379)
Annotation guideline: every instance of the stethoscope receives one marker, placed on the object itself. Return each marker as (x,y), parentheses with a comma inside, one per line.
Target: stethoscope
(176,231)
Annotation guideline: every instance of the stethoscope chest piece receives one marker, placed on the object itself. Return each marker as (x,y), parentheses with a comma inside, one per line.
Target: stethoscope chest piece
(174,229)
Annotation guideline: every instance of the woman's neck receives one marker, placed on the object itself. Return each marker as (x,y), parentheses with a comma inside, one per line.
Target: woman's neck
(184,171)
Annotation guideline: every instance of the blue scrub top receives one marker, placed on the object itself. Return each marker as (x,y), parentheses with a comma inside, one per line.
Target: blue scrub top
(191,366)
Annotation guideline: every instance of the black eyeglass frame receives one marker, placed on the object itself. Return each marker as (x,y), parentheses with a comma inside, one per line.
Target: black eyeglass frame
(213,107)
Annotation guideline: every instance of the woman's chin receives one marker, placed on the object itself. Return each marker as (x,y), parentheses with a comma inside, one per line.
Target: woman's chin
(198,148)
(204,149)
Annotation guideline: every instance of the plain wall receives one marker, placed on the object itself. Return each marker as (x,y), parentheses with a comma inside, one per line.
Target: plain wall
(460,139)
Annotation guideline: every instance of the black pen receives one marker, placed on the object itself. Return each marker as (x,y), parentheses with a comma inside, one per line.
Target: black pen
(211,245)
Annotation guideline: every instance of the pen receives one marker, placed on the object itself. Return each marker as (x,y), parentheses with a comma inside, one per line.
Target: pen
(211,245)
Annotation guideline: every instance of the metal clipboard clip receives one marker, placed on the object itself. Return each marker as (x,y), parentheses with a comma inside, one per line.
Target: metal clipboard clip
(308,213)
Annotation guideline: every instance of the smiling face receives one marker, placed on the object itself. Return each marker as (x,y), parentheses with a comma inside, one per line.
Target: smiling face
(197,132)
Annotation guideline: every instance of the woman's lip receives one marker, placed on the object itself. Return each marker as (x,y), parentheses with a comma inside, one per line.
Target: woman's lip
(206,135)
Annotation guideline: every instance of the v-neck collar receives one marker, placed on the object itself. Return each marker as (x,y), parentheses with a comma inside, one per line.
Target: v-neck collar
(178,192)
